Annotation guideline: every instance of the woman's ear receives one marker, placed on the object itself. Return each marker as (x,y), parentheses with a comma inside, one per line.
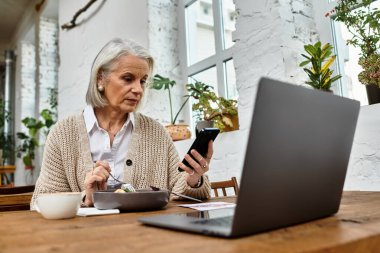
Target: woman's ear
(99,77)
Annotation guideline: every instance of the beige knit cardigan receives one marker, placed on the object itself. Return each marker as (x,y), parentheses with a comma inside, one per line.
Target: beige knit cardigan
(152,159)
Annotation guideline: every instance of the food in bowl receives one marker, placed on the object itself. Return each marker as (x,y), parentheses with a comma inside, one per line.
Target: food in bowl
(126,188)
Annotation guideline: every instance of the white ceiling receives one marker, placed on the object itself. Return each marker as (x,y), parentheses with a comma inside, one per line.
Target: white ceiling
(11,12)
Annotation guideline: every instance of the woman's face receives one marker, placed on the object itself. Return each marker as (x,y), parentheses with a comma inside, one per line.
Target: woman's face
(124,86)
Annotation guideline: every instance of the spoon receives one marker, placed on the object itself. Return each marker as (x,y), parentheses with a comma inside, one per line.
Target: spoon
(117,180)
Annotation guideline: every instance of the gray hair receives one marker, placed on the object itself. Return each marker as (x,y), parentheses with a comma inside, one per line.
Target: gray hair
(104,63)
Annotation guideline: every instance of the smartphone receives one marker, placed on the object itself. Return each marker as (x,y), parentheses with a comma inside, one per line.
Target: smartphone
(200,143)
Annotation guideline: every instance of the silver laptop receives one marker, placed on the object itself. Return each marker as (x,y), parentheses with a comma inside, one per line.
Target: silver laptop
(295,164)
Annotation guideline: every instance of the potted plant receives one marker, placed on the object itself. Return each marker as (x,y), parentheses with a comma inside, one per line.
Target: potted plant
(371,70)
(176,131)
(319,72)
(362,21)
(29,140)
(210,107)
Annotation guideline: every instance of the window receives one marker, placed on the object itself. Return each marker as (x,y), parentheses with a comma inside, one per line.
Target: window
(209,26)
(347,65)
(200,34)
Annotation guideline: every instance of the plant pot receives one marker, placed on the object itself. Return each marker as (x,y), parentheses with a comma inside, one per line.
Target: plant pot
(179,132)
(373,94)
(235,123)
(29,167)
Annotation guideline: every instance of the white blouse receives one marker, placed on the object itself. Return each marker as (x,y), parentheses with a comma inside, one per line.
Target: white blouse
(100,143)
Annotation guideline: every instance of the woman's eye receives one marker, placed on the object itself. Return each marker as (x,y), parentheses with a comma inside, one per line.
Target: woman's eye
(127,79)
(143,82)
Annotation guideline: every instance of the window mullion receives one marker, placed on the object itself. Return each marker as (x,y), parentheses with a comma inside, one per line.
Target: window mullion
(209,62)
(182,37)
(187,2)
(218,31)
(218,25)
(221,78)
(201,65)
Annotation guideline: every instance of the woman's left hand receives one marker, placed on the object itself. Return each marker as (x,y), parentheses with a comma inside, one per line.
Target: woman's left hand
(199,165)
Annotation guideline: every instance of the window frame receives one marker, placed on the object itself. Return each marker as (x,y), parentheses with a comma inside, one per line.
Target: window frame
(327,33)
(218,59)
(330,32)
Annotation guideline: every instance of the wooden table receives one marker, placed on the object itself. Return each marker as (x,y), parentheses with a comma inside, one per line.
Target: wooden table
(356,228)
(6,169)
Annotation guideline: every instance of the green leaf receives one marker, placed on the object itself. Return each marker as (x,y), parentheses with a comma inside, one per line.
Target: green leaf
(307,57)
(21,135)
(335,78)
(326,47)
(328,63)
(326,52)
(27,161)
(304,63)
(312,84)
(311,50)
(310,73)
(49,123)
(160,82)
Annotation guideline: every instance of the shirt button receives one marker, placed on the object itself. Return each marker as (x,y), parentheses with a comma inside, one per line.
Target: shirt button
(129,162)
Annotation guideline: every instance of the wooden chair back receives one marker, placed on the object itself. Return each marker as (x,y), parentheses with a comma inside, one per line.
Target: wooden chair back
(16,198)
(225,184)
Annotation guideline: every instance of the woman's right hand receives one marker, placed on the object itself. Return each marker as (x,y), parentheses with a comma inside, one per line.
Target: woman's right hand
(96,180)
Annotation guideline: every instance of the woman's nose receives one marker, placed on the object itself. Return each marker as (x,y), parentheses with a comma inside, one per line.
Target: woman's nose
(137,87)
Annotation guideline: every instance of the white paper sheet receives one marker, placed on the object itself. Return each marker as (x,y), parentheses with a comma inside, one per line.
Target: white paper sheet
(209,206)
(91,211)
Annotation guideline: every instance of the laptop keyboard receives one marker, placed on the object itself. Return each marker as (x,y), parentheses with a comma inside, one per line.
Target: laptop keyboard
(222,221)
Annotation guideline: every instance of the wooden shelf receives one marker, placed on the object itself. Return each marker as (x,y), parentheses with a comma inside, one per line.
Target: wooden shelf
(7,169)
(16,199)
(4,169)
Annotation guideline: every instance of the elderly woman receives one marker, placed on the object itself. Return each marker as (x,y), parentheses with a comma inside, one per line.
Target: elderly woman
(109,139)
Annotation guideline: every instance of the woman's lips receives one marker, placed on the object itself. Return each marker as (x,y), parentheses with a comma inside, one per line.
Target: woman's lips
(133,101)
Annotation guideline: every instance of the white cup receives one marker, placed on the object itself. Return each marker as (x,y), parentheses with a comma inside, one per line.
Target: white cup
(62,205)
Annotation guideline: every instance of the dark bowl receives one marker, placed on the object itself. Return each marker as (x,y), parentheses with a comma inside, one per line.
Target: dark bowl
(141,200)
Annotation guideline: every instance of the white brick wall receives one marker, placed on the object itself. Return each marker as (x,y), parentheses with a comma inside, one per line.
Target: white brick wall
(163,45)
(364,167)
(270,37)
(28,80)
(47,59)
